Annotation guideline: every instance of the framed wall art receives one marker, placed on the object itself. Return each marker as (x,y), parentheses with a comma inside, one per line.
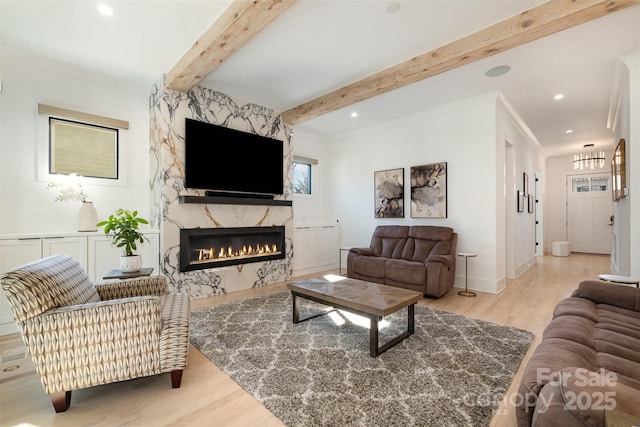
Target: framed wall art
(525,183)
(520,201)
(618,171)
(429,191)
(530,202)
(389,193)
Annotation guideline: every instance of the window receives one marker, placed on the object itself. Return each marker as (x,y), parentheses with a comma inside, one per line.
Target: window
(301,177)
(302,174)
(84,144)
(82,149)
(590,184)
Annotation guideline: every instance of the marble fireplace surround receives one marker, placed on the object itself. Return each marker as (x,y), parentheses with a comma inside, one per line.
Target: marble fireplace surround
(168,111)
(204,248)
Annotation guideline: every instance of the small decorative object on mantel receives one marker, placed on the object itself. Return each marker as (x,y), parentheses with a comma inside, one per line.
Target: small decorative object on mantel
(123,228)
(70,189)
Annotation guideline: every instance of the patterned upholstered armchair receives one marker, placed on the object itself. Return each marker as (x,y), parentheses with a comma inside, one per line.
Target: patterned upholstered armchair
(80,335)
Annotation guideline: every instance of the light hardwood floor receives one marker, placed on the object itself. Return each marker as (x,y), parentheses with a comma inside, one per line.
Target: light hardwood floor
(209,398)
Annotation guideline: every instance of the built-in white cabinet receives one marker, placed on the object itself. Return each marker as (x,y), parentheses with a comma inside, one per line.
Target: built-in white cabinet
(75,246)
(304,248)
(15,252)
(315,248)
(93,250)
(327,245)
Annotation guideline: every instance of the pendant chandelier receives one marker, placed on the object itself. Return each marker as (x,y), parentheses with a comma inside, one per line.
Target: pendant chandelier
(588,159)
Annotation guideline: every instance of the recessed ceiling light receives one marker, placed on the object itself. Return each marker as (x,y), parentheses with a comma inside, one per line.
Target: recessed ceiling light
(558,96)
(498,71)
(392,7)
(105,9)
(354,114)
(568,131)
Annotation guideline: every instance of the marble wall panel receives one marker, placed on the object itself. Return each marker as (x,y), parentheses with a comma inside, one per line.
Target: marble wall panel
(168,111)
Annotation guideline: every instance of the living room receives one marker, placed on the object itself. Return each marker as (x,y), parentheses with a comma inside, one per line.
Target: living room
(478,137)
(476,212)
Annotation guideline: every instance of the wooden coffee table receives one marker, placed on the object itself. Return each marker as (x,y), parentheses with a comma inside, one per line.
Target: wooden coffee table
(367,299)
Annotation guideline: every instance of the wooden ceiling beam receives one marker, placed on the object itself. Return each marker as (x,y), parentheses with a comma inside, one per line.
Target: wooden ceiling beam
(241,21)
(540,21)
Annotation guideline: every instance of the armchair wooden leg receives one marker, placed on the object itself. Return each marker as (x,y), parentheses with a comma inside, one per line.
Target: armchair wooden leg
(61,400)
(176,378)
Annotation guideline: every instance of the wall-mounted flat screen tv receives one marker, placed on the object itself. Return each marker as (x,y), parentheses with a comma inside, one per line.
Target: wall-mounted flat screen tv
(228,160)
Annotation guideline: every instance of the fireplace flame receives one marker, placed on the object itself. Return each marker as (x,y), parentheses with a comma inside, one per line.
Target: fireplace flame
(211,254)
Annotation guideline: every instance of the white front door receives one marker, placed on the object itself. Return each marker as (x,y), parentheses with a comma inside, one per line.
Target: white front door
(589,210)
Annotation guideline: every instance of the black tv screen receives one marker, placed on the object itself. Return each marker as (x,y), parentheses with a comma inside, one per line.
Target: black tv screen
(228,160)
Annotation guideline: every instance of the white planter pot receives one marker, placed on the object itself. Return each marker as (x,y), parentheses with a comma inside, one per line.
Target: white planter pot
(87,217)
(130,264)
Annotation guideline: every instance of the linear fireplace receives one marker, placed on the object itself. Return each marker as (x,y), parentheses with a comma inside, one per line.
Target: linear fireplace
(202,248)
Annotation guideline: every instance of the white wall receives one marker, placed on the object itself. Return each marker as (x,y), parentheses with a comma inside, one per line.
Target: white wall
(312,209)
(626,108)
(555,209)
(521,156)
(633,171)
(26,205)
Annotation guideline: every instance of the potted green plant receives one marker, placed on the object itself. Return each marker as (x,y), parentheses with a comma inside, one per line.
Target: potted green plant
(123,228)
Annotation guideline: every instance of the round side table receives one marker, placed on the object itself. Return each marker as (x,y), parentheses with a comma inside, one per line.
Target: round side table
(466,292)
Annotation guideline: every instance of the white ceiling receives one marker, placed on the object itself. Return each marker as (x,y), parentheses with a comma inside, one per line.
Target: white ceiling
(318,46)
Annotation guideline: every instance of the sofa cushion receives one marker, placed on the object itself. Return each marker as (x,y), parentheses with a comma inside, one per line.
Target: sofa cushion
(571,328)
(612,332)
(417,250)
(388,241)
(430,232)
(576,307)
(369,266)
(411,272)
(425,240)
(610,294)
(578,398)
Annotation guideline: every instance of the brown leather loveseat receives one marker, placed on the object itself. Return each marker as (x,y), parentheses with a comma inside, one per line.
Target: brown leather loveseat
(417,257)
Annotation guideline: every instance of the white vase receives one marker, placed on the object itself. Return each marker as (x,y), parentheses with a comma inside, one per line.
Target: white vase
(131,263)
(87,217)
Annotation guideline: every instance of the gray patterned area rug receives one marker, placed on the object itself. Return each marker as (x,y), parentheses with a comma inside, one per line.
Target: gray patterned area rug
(454,371)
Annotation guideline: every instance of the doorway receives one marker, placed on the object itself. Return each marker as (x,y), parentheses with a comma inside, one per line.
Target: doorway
(589,213)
